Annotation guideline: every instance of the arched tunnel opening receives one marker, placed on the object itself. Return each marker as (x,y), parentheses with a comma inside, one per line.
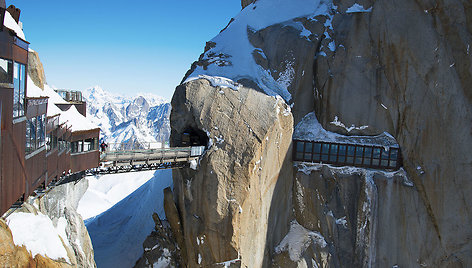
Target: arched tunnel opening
(194,137)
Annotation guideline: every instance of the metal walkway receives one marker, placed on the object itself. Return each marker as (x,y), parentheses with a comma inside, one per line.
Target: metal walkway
(144,159)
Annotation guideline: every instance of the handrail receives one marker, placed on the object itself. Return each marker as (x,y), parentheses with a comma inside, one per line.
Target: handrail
(150,151)
(148,154)
(127,146)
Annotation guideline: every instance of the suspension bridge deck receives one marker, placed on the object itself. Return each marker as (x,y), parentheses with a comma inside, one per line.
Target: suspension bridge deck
(160,158)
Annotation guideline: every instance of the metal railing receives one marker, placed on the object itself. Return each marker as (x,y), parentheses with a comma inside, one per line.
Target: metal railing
(70,95)
(370,156)
(170,154)
(127,146)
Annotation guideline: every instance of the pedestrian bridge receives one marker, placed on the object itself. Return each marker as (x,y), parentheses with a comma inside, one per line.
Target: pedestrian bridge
(142,159)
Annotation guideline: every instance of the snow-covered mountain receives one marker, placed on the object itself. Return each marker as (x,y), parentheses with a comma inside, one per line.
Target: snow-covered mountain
(141,119)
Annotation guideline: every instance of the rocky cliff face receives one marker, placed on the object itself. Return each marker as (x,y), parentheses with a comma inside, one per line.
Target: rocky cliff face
(245,3)
(229,206)
(35,69)
(364,67)
(62,203)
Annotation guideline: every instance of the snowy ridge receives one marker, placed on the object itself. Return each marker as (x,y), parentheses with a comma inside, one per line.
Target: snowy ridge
(231,57)
(140,119)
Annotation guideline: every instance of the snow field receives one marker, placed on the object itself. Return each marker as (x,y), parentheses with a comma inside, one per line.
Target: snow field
(107,190)
(118,232)
(38,234)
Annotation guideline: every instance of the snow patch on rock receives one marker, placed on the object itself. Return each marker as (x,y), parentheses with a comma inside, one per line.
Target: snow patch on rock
(38,234)
(298,240)
(356,8)
(231,57)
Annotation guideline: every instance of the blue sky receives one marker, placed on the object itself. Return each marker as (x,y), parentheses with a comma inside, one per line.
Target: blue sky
(123,46)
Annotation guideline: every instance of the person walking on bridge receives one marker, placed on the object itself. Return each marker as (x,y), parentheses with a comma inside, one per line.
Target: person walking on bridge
(103,146)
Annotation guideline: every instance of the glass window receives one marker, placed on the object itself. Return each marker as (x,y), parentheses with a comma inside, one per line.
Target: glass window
(16,89)
(41,130)
(394,154)
(350,160)
(384,163)
(54,141)
(324,158)
(49,142)
(75,146)
(300,146)
(19,78)
(342,149)
(308,147)
(31,135)
(21,100)
(35,133)
(33,125)
(332,158)
(375,162)
(325,148)
(316,157)
(359,151)
(376,152)
(385,153)
(307,157)
(29,128)
(334,149)
(358,160)
(368,152)
(317,148)
(341,159)
(6,71)
(88,145)
(350,150)
(393,163)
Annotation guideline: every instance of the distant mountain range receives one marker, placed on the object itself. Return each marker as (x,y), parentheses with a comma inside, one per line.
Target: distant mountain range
(142,119)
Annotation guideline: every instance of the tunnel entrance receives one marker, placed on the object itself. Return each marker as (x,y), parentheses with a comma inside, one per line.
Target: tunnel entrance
(194,137)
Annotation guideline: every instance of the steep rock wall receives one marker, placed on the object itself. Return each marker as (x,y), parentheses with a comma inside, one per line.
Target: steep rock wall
(62,202)
(35,69)
(236,201)
(368,218)
(405,68)
(364,67)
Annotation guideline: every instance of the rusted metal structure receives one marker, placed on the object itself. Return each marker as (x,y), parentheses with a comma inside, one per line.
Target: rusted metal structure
(36,165)
(84,150)
(35,149)
(13,54)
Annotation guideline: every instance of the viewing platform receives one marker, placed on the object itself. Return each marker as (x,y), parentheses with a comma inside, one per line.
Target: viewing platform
(312,143)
